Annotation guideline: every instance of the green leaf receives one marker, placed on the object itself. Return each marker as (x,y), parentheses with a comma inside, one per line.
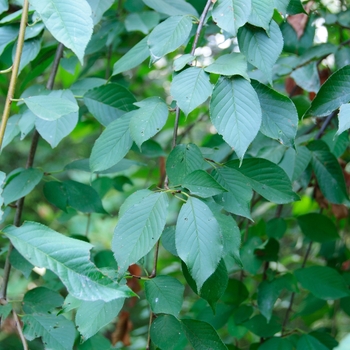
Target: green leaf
(22,184)
(53,131)
(94,315)
(259,326)
(168,36)
(250,261)
(51,107)
(231,64)
(202,335)
(133,199)
(201,184)
(191,88)
(165,295)
(198,240)
(214,287)
(281,5)
(148,120)
(41,300)
(266,178)
(328,173)
(308,342)
(98,8)
(8,34)
(12,130)
(318,227)
(172,7)
(167,333)
(168,240)
(141,21)
(307,77)
(323,282)
(276,344)
(4,5)
(235,112)
(236,292)
(109,102)
(261,14)
(295,7)
(262,51)
(333,93)
(112,145)
(343,117)
(183,160)
(69,22)
(21,264)
(237,199)
(139,229)
(98,341)
(82,86)
(56,193)
(181,61)
(57,332)
(5,311)
(83,197)
(30,51)
(133,58)
(302,160)
(47,248)
(279,115)
(229,15)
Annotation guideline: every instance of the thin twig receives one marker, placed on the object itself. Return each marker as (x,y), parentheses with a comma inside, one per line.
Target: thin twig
(176,127)
(155,262)
(19,329)
(325,124)
(15,69)
(200,26)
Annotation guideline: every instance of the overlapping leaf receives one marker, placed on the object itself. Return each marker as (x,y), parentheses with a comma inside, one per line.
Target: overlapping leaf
(231,14)
(22,184)
(53,131)
(231,64)
(198,240)
(98,8)
(68,21)
(148,120)
(172,7)
(51,107)
(57,332)
(113,144)
(343,117)
(191,88)
(139,229)
(8,34)
(266,178)
(109,102)
(261,14)
(279,115)
(201,184)
(261,50)
(168,36)
(134,57)
(333,93)
(323,282)
(165,295)
(237,199)
(235,112)
(47,248)
(93,315)
(183,160)
(328,173)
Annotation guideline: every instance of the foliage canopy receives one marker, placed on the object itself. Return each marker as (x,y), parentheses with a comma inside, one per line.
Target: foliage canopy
(174,174)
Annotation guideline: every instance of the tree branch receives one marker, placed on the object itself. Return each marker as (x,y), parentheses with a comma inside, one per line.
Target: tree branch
(15,69)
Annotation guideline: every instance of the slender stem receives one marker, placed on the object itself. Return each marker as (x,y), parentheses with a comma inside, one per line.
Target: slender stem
(29,164)
(19,329)
(15,69)
(325,124)
(88,224)
(155,262)
(291,301)
(200,26)
(176,127)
